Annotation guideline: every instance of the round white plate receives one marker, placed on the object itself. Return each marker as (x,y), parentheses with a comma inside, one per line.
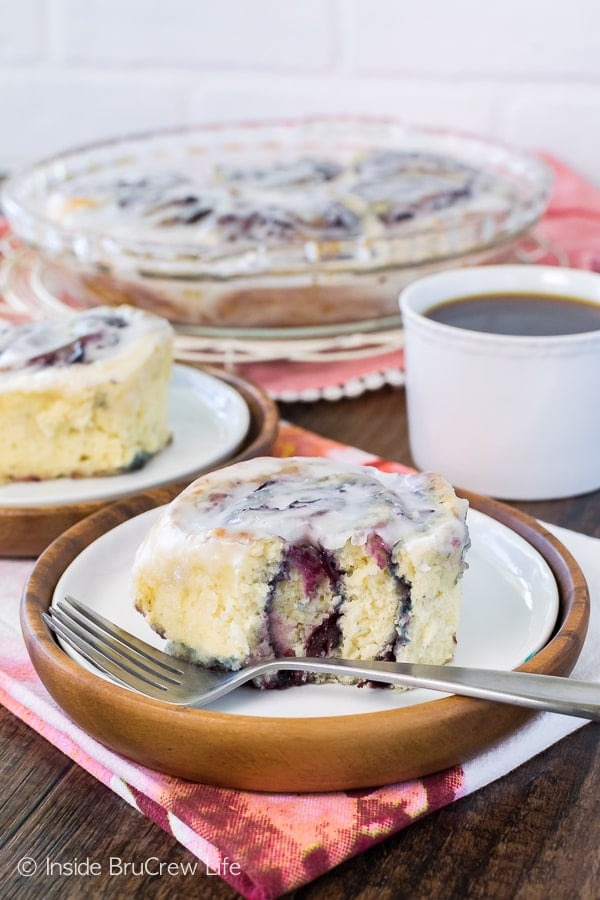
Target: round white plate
(510,606)
(208,420)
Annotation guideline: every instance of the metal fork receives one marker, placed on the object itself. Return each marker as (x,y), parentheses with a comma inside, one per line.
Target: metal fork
(139,666)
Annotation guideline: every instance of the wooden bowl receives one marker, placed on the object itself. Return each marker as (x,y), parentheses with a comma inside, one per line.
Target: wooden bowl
(290,754)
(26,531)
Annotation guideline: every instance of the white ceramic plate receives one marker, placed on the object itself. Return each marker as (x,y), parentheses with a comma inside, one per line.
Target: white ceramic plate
(510,607)
(208,420)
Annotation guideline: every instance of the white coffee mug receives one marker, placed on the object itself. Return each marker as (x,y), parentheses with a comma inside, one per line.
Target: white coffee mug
(510,416)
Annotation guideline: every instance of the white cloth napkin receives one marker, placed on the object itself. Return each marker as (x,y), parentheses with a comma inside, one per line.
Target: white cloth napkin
(548,728)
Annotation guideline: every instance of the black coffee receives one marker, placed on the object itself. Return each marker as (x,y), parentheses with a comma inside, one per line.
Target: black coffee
(534,315)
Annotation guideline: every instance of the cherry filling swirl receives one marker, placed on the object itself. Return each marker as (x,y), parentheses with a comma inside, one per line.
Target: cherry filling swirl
(316,566)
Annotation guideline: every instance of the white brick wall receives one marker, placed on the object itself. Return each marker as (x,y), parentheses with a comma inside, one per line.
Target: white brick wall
(255,34)
(472,39)
(526,71)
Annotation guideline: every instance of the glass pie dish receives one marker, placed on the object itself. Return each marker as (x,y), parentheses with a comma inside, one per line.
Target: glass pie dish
(275,225)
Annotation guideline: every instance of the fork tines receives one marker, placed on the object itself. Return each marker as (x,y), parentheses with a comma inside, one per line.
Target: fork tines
(114,651)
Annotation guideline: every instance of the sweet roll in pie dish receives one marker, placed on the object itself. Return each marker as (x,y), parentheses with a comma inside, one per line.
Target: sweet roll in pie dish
(274,225)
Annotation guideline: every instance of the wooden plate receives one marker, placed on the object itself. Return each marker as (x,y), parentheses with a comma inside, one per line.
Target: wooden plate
(26,531)
(290,754)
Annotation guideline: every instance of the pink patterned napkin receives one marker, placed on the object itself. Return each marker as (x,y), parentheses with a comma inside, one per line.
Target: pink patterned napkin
(572,220)
(246,837)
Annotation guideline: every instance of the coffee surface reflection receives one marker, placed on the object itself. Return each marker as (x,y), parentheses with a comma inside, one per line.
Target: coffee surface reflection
(523,314)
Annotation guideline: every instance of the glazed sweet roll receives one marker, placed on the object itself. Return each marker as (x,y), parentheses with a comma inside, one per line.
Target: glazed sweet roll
(83,394)
(305,557)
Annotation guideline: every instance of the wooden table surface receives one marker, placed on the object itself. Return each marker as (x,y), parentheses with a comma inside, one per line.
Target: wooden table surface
(533,834)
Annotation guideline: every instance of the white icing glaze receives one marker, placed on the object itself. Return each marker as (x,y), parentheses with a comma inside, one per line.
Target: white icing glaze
(304,190)
(316,501)
(106,333)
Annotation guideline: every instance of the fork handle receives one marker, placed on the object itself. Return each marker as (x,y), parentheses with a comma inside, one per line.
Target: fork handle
(541,692)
